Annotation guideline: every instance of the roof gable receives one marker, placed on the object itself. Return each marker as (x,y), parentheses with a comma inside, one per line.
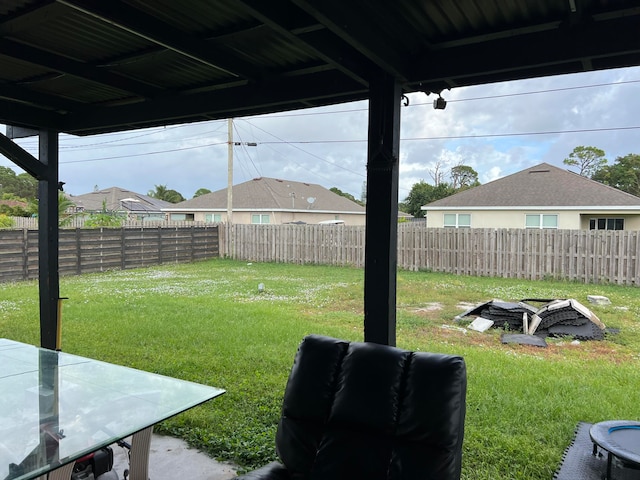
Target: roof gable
(116,198)
(274,194)
(543,185)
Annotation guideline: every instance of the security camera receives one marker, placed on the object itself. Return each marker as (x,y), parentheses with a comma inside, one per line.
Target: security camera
(439,103)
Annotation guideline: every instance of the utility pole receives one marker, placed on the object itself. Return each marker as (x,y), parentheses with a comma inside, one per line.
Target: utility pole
(231,144)
(230,171)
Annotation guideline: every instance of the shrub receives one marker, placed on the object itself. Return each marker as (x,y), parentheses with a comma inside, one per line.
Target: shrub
(5,221)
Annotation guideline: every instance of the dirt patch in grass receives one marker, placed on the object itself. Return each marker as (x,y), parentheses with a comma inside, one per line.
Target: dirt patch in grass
(452,333)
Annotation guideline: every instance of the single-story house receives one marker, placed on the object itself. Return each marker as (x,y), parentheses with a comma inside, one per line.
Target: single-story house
(115,199)
(543,196)
(270,200)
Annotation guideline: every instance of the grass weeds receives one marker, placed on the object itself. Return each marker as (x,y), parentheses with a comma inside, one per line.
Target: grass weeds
(207,322)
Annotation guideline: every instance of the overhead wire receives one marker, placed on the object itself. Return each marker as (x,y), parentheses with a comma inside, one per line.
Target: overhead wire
(293,143)
(113,142)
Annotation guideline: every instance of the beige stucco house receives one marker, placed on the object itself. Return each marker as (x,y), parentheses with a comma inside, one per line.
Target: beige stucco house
(271,201)
(543,196)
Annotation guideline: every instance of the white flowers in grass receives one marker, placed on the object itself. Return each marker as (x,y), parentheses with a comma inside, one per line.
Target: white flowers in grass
(8,306)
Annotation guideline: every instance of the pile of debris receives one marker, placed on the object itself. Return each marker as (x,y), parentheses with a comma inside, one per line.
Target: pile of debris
(555,318)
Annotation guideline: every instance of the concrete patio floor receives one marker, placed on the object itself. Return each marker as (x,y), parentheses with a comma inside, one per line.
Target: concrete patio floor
(171,458)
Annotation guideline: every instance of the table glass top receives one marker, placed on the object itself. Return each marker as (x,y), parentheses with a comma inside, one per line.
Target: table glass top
(56,407)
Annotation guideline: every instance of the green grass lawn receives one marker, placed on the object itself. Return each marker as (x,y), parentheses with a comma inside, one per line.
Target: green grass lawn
(207,322)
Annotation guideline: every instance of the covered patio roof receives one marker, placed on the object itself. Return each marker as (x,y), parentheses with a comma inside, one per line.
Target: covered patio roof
(85,67)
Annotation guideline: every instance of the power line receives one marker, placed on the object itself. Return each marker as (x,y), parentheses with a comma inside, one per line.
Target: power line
(294,143)
(488,97)
(281,141)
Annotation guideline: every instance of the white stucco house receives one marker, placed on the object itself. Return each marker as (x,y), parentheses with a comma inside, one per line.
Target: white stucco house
(543,196)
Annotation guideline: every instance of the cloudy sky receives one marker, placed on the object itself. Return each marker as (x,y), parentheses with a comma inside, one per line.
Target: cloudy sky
(497,129)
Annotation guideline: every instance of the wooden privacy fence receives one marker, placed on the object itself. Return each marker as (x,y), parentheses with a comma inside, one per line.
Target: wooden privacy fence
(589,256)
(100,249)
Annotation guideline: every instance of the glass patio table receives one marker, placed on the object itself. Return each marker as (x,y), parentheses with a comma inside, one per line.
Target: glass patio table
(56,408)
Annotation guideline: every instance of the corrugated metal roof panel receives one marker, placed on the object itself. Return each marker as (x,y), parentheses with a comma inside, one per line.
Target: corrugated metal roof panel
(177,59)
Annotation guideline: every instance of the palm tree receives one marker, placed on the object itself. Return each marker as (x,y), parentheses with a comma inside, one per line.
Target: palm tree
(161,192)
(64,204)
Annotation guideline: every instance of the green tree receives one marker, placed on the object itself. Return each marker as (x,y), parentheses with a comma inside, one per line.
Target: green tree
(623,174)
(201,191)
(26,186)
(463,176)
(422,193)
(337,191)
(587,159)
(23,185)
(161,192)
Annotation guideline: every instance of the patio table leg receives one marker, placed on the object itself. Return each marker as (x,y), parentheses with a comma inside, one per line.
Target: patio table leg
(61,473)
(139,458)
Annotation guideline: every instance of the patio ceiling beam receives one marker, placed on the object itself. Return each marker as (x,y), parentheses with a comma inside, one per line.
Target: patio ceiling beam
(160,33)
(353,27)
(578,48)
(285,93)
(312,38)
(84,71)
(22,114)
(27,96)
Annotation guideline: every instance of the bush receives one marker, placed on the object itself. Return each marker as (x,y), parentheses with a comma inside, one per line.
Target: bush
(5,221)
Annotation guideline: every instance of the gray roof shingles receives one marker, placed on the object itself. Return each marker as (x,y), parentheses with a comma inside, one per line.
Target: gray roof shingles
(113,199)
(543,185)
(273,194)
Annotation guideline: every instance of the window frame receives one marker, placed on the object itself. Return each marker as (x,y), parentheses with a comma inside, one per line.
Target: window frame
(541,221)
(596,222)
(262,217)
(456,223)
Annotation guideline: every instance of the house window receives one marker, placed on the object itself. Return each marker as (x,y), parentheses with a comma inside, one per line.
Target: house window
(260,218)
(541,221)
(178,217)
(213,218)
(457,220)
(606,224)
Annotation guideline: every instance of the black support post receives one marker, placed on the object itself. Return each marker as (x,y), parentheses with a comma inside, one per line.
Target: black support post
(48,241)
(381,235)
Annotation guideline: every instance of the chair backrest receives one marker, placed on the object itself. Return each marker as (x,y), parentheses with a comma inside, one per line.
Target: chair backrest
(369,411)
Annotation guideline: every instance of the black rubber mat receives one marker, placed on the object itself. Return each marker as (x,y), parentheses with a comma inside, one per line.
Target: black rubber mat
(588,331)
(579,463)
(522,339)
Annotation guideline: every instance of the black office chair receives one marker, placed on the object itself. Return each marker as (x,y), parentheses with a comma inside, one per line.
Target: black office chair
(369,411)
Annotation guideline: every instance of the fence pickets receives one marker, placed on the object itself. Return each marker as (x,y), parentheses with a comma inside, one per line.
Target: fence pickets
(101,249)
(586,256)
